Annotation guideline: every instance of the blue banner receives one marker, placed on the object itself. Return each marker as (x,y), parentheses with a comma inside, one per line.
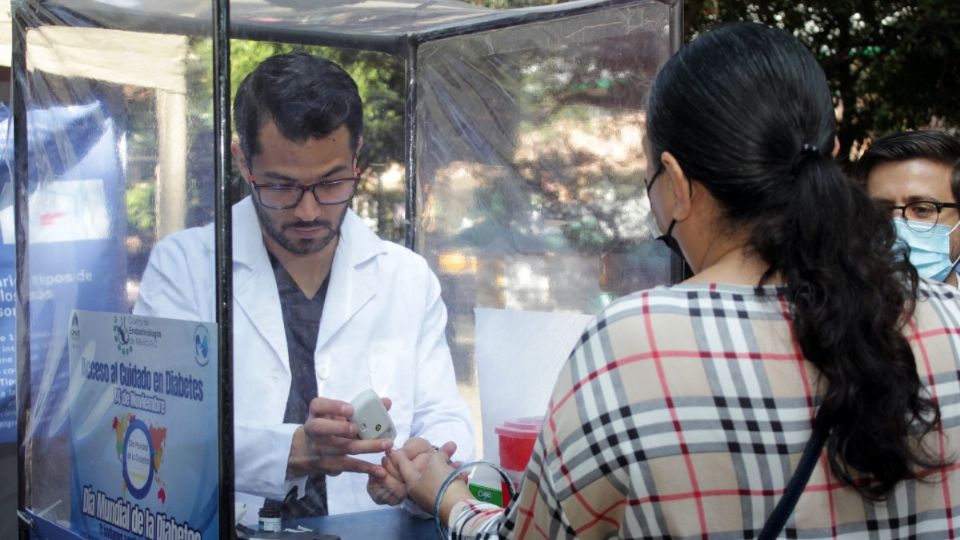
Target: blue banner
(143,417)
(76,258)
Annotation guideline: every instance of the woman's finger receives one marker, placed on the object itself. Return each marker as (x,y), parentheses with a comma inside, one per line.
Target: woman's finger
(449,448)
(408,473)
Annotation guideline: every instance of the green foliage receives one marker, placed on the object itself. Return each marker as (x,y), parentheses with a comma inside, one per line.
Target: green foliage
(140,207)
(892,64)
(379,78)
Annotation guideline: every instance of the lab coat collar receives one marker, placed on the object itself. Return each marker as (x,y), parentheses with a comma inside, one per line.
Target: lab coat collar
(352,277)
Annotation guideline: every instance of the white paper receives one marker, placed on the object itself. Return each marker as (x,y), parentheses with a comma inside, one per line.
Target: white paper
(519,354)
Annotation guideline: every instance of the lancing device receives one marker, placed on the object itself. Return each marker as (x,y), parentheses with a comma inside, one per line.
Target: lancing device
(371,418)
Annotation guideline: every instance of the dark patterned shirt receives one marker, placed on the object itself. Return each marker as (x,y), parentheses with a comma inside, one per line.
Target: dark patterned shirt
(301,321)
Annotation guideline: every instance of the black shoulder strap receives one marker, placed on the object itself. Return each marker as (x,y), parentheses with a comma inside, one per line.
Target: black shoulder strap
(778,518)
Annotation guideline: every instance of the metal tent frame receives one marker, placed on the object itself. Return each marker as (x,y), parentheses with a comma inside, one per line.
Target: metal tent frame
(398,27)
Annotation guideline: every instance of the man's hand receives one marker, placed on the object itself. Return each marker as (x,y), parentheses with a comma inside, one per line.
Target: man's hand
(324,443)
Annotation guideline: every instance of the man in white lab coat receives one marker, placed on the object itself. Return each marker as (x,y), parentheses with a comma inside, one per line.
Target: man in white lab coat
(323,308)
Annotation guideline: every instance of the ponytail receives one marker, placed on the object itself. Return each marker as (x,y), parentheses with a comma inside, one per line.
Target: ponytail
(747,112)
(851,294)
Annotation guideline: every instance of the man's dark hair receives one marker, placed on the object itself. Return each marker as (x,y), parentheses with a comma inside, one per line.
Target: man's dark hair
(930,144)
(304,95)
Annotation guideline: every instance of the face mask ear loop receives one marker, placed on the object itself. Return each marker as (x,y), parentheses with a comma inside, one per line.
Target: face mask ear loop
(953,263)
(953,229)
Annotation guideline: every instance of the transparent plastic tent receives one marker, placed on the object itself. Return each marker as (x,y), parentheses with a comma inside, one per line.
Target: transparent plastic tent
(512,161)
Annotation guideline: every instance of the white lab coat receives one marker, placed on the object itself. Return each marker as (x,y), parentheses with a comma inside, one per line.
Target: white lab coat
(382,327)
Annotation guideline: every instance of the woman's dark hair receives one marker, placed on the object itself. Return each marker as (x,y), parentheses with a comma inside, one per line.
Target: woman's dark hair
(304,95)
(746,111)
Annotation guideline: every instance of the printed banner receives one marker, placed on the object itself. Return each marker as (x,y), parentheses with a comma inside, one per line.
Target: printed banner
(76,226)
(8,351)
(143,415)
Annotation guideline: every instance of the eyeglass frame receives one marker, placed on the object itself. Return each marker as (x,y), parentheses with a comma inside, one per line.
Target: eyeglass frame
(312,188)
(936,204)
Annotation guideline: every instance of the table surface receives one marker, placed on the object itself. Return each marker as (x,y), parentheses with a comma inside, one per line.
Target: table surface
(387,524)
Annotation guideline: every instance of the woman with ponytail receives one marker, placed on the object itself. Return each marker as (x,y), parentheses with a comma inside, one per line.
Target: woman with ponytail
(804,367)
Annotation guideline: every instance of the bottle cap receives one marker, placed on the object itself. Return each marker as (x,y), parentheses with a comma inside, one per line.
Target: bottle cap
(269,511)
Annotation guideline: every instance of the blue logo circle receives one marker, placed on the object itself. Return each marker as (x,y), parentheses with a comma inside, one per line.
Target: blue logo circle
(201,345)
(138,459)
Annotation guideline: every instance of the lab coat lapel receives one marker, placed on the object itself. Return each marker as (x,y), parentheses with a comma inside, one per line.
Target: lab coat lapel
(351,285)
(254,283)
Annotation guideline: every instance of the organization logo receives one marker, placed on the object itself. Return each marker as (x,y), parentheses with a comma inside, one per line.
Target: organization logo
(201,345)
(121,335)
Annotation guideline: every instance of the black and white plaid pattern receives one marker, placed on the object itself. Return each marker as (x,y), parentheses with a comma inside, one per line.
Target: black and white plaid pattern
(683,412)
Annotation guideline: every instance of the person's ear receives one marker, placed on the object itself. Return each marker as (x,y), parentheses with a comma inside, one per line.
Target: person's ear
(241,159)
(680,186)
(836,146)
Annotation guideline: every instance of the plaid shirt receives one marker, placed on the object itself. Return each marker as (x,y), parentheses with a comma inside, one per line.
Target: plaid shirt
(683,412)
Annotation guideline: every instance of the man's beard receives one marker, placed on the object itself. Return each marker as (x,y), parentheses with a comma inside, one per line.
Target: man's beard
(299,246)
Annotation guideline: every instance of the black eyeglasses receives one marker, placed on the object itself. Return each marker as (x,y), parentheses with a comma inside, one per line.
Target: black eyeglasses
(921,216)
(327,192)
(654,179)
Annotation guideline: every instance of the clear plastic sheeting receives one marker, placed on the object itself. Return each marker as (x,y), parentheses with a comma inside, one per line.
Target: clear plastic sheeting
(373,24)
(306,17)
(119,153)
(530,165)
(516,171)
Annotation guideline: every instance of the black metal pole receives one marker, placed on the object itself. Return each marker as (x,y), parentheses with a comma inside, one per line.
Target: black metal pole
(680,270)
(21,187)
(410,129)
(224,256)
(676,26)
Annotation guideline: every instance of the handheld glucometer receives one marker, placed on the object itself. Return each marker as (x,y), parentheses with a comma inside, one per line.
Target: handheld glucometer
(371,418)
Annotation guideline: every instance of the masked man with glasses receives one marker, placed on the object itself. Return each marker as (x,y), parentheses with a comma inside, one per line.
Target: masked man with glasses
(323,308)
(915,175)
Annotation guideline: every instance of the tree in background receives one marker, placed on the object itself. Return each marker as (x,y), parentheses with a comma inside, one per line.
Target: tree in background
(893,64)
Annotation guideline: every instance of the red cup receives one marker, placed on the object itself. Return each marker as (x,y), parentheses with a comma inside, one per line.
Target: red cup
(516,438)
(516,445)
(526,422)
(515,478)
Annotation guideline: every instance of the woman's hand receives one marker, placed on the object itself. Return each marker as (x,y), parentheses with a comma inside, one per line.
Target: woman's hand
(425,472)
(390,489)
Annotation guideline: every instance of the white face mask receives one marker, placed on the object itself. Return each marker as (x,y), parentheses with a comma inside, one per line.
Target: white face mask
(929,250)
